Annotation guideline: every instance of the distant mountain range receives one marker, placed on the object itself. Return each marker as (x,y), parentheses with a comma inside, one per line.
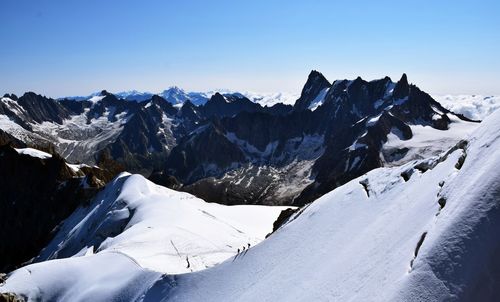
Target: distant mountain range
(233,150)
(176,96)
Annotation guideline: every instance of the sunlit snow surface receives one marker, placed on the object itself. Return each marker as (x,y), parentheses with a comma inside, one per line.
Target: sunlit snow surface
(426,141)
(356,243)
(34,153)
(161,229)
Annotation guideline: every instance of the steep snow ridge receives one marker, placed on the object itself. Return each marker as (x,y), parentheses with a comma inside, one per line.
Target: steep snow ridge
(319,99)
(459,256)
(159,228)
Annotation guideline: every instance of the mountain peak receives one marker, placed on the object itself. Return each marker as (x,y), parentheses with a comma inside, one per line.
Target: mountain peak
(315,76)
(217,97)
(402,88)
(157,98)
(104,93)
(316,82)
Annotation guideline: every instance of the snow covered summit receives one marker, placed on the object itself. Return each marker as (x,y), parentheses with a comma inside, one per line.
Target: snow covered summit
(161,229)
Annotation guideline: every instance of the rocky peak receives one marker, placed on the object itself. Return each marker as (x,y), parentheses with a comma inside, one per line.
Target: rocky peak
(38,108)
(217,98)
(402,88)
(163,104)
(229,105)
(156,98)
(104,93)
(316,82)
(11,96)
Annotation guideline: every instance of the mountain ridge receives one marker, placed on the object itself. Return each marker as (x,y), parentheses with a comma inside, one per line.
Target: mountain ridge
(334,132)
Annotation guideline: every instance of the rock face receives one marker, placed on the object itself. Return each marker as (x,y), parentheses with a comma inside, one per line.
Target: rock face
(234,151)
(37,193)
(7,139)
(9,297)
(334,133)
(139,135)
(316,83)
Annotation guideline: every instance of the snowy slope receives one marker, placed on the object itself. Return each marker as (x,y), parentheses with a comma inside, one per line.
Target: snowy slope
(108,276)
(425,142)
(364,237)
(160,228)
(364,241)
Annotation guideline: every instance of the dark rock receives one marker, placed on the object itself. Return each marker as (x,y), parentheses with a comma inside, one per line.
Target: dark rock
(283,218)
(227,105)
(36,195)
(315,83)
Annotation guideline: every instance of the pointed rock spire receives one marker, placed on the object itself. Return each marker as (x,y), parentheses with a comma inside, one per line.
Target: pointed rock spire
(315,83)
(402,88)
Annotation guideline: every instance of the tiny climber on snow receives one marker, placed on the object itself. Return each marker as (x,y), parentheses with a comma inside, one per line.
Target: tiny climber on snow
(237,253)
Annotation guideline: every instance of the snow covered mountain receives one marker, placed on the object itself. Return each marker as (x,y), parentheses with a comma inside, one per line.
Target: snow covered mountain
(177,96)
(334,133)
(425,230)
(138,134)
(235,151)
(161,229)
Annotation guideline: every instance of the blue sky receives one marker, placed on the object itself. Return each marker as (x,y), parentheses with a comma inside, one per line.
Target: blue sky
(76,47)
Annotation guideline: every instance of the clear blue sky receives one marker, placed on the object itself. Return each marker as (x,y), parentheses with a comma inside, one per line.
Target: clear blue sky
(68,47)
